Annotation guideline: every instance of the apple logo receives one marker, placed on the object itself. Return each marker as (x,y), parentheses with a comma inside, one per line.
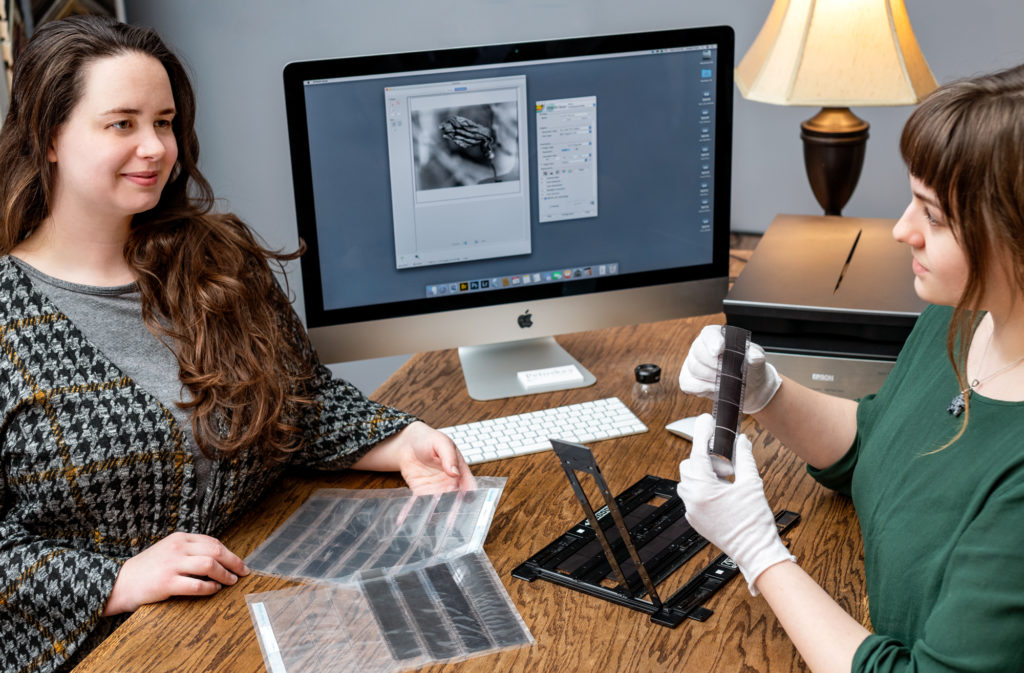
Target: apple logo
(525,320)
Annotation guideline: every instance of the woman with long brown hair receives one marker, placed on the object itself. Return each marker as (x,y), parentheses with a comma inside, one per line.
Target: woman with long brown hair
(934,462)
(155,380)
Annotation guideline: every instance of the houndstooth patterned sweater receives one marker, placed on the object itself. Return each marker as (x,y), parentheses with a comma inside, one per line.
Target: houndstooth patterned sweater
(93,470)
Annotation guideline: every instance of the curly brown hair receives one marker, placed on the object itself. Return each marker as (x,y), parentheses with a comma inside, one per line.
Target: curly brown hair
(206,281)
(965,141)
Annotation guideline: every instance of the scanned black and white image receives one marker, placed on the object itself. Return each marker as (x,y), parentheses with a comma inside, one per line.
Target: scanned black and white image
(460,183)
(467,145)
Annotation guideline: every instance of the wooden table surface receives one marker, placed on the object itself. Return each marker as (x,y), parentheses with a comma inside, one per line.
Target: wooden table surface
(573,632)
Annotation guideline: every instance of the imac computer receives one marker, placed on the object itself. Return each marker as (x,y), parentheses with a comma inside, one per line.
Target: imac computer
(489,198)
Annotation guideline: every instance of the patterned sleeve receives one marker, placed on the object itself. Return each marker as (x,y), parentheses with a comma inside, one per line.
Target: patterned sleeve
(51,596)
(343,425)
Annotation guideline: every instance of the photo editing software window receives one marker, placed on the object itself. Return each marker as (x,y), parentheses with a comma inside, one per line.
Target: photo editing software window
(455,149)
(435,183)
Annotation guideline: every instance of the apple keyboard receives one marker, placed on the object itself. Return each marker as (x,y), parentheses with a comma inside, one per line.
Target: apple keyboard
(509,436)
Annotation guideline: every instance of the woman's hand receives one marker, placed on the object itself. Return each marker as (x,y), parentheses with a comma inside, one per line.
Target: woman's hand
(699,375)
(735,517)
(428,460)
(181,564)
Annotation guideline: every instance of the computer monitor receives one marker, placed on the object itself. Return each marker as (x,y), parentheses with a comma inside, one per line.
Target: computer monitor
(489,198)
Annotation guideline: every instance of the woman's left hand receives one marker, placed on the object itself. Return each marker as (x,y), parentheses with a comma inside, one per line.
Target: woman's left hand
(428,460)
(733,516)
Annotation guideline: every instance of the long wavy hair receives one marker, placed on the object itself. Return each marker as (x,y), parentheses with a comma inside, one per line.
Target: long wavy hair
(966,142)
(206,282)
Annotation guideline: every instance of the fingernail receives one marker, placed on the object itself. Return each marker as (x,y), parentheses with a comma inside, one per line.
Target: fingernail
(234,578)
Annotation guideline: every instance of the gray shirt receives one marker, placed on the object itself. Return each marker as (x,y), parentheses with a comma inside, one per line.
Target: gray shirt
(111,318)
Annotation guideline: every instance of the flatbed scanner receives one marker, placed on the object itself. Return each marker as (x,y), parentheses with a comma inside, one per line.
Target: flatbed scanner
(831,299)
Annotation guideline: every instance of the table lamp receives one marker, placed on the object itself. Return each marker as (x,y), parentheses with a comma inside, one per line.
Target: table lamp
(834,54)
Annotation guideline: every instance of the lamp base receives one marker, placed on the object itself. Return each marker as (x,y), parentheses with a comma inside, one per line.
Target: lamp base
(834,144)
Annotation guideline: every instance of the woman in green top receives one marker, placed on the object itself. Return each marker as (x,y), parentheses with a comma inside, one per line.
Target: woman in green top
(934,462)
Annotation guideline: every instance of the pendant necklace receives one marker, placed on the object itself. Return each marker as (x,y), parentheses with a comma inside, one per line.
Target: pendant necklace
(958,403)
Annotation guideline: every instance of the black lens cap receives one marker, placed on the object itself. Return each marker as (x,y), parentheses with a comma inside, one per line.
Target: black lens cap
(647,373)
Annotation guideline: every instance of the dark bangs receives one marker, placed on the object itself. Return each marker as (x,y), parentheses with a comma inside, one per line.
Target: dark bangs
(931,147)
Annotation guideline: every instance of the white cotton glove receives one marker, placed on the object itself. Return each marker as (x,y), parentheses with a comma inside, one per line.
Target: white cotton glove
(735,517)
(701,367)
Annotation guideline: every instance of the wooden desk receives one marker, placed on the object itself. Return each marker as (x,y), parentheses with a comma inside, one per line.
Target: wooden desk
(573,632)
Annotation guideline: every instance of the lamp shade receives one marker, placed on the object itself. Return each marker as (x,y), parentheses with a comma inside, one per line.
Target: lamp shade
(835,53)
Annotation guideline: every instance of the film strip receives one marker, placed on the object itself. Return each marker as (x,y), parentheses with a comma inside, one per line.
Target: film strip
(730,383)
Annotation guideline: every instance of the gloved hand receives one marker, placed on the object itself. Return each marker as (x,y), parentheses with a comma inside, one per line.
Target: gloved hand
(701,367)
(735,517)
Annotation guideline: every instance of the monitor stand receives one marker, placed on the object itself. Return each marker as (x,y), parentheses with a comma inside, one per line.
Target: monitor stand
(492,371)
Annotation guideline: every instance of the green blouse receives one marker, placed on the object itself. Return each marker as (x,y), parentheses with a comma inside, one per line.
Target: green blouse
(943,529)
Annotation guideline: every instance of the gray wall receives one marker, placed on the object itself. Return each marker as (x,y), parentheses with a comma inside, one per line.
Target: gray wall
(236,50)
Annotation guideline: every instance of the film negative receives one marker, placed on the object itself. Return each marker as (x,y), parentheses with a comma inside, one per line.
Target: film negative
(438,613)
(730,386)
(337,534)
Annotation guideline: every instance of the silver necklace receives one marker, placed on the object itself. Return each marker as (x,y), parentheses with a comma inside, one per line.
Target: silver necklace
(959,403)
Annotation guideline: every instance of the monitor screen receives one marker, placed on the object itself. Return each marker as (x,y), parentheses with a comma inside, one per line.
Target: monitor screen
(500,193)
